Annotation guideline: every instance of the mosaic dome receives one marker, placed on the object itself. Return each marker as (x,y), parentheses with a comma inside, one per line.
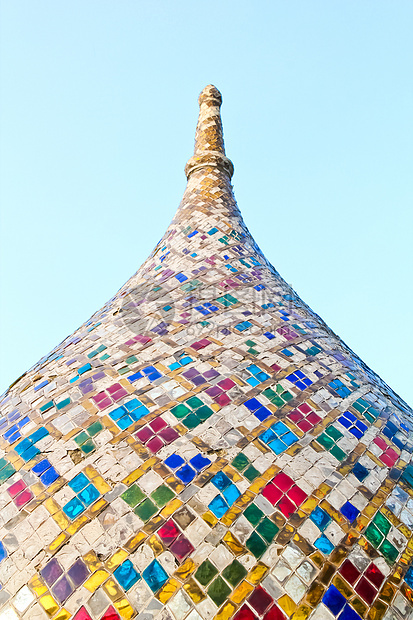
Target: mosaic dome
(205,446)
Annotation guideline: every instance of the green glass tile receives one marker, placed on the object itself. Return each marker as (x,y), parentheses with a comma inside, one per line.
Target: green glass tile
(287,396)
(253,514)
(338,453)
(6,472)
(191,421)
(256,545)
(204,413)
(269,393)
(218,591)
(133,495)
(368,417)
(194,402)
(146,510)
(250,343)
(373,535)
(277,401)
(333,432)
(180,411)
(104,357)
(131,359)
(205,573)
(62,404)
(240,462)
(234,573)
(95,428)
(251,473)
(253,351)
(47,406)
(267,529)
(162,495)
(88,446)
(325,441)
(382,523)
(81,438)
(3,463)
(389,552)
(123,370)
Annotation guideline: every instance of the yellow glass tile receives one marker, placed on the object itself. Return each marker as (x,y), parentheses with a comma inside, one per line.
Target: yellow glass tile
(229,517)
(309,505)
(149,463)
(186,569)
(193,591)
(287,604)
(226,611)
(58,542)
(112,589)
(62,521)
(125,609)
(116,559)
(234,544)
(101,485)
(342,586)
(36,584)
(405,530)
(258,485)
(49,604)
(97,507)
(63,615)
(215,406)
(271,472)
(156,545)
(322,490)
(168,590)
(171,507)
(92,561)
(77,524)
(245,499)
(210,518)
(96,580)
(314,594)
(134,542)
(377,611)
(257,573)
(241,592)
(301,613)
(51,505)
(37,488)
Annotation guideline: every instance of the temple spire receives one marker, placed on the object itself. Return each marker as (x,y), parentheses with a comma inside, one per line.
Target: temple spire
(209,148)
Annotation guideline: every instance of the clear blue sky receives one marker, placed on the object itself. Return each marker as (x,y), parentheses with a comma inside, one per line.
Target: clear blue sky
(98,113)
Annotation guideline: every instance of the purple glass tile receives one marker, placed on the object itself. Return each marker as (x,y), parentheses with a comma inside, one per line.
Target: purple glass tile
(78,573)
(211,374)
(62,589)
(198,380)
(213,391)
(51,572)
(192,372)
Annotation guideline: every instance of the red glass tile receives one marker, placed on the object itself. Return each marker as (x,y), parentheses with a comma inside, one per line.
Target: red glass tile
(119,394)
(304,425)
(169,434)
(181,548)
(260,600)
(379,441)
(274,613)
(155,444)
(283,481)
(389,457)
(366,590)
(144,434)
(16,488)
(349,572)
(286,507)
(245,613)
(23,498)
(272,493)
(374,575)
(295,415)
(222,399)
(116,387)
(275,367)
(157,424)
(304,408)
(106,402)
(297,495)
(313,418)
(226,384)
(168,532)
(110,614)
(82,615)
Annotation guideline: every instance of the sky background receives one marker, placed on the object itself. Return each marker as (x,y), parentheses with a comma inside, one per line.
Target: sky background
(98,112)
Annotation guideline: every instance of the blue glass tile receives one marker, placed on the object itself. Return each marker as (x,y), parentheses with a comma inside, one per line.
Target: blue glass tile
(252,404)
(253,381)
(22,446)
(349,511)
(135,377)
(30,453)
(84,369)
(334,600)
(174,461)
(268,436)
(41,467)
(324,545)
(409,577)
(133,404)
(360,472)
(279,428)
(126,575)
(231,494)
(200,462)
(38,435)
(277,446)
(356,432)
(221,481)
(124,422)
(320,518)
(348,613)
(73,508)
(218,506)
(269,335)
(186,474)
(3,552)
(78,482)
(289,438)
(345,422)
(117,413)
(49,476)
(155,576)
(262,413)
(89,495)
